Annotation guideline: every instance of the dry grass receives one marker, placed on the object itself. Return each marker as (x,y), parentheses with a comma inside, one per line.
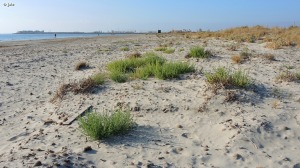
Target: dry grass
(276,104)
(288,76)
(61,92)
(233,47)
(243,56)
(83,86)
(236,59)
(81,65)
(268,56)
(134,55)
(273,45)
(277,37)
(231,96)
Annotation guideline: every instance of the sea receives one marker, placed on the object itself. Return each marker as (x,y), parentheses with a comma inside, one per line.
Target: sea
(19,37)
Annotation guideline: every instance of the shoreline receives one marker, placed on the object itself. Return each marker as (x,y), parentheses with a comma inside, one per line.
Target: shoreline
(67,37)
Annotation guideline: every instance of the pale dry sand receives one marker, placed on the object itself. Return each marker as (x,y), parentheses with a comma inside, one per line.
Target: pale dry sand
(180,122)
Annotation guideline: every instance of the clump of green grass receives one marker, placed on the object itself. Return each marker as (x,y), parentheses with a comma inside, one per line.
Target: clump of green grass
(161,49)
(199,52)
(220,76)
(164,71)
(149,65)
(129,65)
(98,78)
(169,51)
(118,77)
(172,70)
(223,77)
(125,49)
(240,79)
(99,126)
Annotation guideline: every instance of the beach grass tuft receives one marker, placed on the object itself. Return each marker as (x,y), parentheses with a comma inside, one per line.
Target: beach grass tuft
(99,78)
(118,77)
(98,126)
(125,49)
(149,65)
(161,49)
(225,78)
(169,51)
(199,52)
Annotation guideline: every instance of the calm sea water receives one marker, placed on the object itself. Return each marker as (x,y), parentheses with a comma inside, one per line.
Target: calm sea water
(17,37)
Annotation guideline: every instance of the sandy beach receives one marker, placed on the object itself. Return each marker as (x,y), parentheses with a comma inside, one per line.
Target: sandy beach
(179,123)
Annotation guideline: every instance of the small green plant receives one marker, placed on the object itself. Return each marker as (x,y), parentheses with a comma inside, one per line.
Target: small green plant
(118,77)
(161,49)
(220,76)
(99,126)
(169,51)
(182,49)
(99,78)
(172,70)
(199,52)
(125,49)
(240,79)
(223,77)
(164,71)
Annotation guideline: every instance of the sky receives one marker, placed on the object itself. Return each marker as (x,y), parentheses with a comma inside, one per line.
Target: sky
(144,15)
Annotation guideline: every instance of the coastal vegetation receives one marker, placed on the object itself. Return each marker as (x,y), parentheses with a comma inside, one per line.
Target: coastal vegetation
(275,37)
(223,77)
(98,126)
(149,65)
(198,52)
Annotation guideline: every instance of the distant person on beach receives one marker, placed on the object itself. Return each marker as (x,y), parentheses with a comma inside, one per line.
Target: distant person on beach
(55,35)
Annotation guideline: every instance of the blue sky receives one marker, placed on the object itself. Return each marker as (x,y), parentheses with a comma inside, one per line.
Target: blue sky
(144,15)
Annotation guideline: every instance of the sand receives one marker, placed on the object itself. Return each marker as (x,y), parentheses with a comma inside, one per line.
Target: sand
(180,122)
